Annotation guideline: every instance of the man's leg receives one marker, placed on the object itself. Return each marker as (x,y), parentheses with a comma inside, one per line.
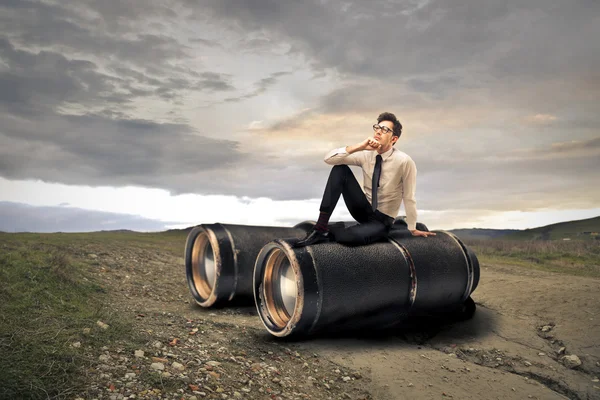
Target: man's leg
(373,225)
(361,234)
(341,181)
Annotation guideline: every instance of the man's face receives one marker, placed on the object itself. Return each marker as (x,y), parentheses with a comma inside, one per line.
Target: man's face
(385,136)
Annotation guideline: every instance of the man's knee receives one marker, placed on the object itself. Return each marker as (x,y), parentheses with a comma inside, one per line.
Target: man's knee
(340,170)
(350,239)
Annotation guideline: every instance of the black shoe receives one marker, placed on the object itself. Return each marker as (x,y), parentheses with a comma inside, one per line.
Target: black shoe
(313,237)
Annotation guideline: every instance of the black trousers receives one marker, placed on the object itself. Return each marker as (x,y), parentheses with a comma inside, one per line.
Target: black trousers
(373,226)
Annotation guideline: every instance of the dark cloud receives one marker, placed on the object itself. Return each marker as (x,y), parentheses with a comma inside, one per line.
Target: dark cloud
(75,27)
(392,39)
(205,42)
(17,217)
(74,74)
(367,98)
(125,56)
(523,55)
(259,87)
(92,149)
(438,87)
(214,82)
(38,139)
(35,82)
(102,143)
(38,82)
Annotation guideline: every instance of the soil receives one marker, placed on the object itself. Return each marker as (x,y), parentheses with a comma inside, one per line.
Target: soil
(526,322)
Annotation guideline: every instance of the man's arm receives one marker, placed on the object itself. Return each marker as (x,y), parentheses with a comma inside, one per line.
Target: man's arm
(409,188)
(349,155)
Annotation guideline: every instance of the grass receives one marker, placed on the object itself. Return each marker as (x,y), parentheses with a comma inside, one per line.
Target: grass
(570,229)
(171,242)
(46,302)
(581,258)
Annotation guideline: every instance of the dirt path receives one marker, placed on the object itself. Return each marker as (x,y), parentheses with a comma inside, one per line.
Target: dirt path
(502,353)
(526,321)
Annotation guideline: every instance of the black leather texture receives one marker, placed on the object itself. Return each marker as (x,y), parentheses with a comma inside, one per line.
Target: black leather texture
(441,270)
(370,286)
(247,242)
(356,282)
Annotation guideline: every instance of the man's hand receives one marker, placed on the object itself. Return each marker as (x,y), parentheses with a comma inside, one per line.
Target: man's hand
(417,232)
(370,144)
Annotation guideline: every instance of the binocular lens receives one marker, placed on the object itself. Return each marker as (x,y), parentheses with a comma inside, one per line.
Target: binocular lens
(280,288)
(204,267)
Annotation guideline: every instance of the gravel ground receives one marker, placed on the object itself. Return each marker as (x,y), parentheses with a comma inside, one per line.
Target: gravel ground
(535,335)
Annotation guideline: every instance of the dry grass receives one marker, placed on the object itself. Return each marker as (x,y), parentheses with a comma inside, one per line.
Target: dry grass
(571,257)
(48,297)
(45,303)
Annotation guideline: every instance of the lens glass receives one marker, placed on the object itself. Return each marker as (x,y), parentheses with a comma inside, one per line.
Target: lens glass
(280,288)
(204,267)
(210,272)
(287,286)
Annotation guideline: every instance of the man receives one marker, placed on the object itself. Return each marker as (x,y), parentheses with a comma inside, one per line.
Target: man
(389,177)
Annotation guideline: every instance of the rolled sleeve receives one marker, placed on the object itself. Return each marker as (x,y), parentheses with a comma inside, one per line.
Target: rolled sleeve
(409,188)
(341,157)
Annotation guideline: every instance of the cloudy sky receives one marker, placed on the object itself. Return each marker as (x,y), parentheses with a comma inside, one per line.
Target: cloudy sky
(151,114)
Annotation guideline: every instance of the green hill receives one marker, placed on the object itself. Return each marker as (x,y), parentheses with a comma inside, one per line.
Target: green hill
(584,229)
(476,233)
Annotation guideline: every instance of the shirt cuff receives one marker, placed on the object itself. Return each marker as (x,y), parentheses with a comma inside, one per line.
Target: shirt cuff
(340,152)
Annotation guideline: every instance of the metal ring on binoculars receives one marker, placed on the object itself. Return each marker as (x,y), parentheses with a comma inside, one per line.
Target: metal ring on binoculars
(204,284)
(275,317)
(412,271)
(303,290)
(468,263)
(201,281)
(274,301)
(215,283)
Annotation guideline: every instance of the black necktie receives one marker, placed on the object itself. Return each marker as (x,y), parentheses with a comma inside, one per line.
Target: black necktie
(375,183)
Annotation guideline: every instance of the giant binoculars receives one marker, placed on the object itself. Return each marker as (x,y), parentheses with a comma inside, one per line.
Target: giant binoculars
(220,258)
(329,286)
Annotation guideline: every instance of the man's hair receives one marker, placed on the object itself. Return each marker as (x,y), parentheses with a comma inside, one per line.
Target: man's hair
(387,116)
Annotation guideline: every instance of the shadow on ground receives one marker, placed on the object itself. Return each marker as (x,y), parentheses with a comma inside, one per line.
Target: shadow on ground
(411,331)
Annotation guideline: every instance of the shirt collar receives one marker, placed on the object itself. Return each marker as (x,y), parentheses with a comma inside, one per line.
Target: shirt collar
(387,154)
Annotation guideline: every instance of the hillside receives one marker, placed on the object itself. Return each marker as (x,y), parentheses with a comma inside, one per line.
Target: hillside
(476,233)
(575,230)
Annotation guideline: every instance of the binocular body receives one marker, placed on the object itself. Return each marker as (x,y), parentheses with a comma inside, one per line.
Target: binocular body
(329,286)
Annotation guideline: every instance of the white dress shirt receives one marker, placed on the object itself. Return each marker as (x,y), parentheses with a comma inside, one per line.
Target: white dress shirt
(397,183)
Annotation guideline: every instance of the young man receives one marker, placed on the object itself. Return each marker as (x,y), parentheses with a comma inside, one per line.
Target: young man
(389,177)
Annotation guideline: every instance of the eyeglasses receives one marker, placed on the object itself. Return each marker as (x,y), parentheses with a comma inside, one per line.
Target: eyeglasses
(383,129)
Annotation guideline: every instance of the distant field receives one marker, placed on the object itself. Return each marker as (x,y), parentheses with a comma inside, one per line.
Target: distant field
(585,229)
(579,230)
(571,257)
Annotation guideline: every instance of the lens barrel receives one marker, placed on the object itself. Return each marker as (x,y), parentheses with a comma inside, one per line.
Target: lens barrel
(220,258)
(374,286)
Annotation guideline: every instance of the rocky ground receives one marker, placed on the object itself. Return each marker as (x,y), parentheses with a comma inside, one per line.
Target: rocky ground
(535,335)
